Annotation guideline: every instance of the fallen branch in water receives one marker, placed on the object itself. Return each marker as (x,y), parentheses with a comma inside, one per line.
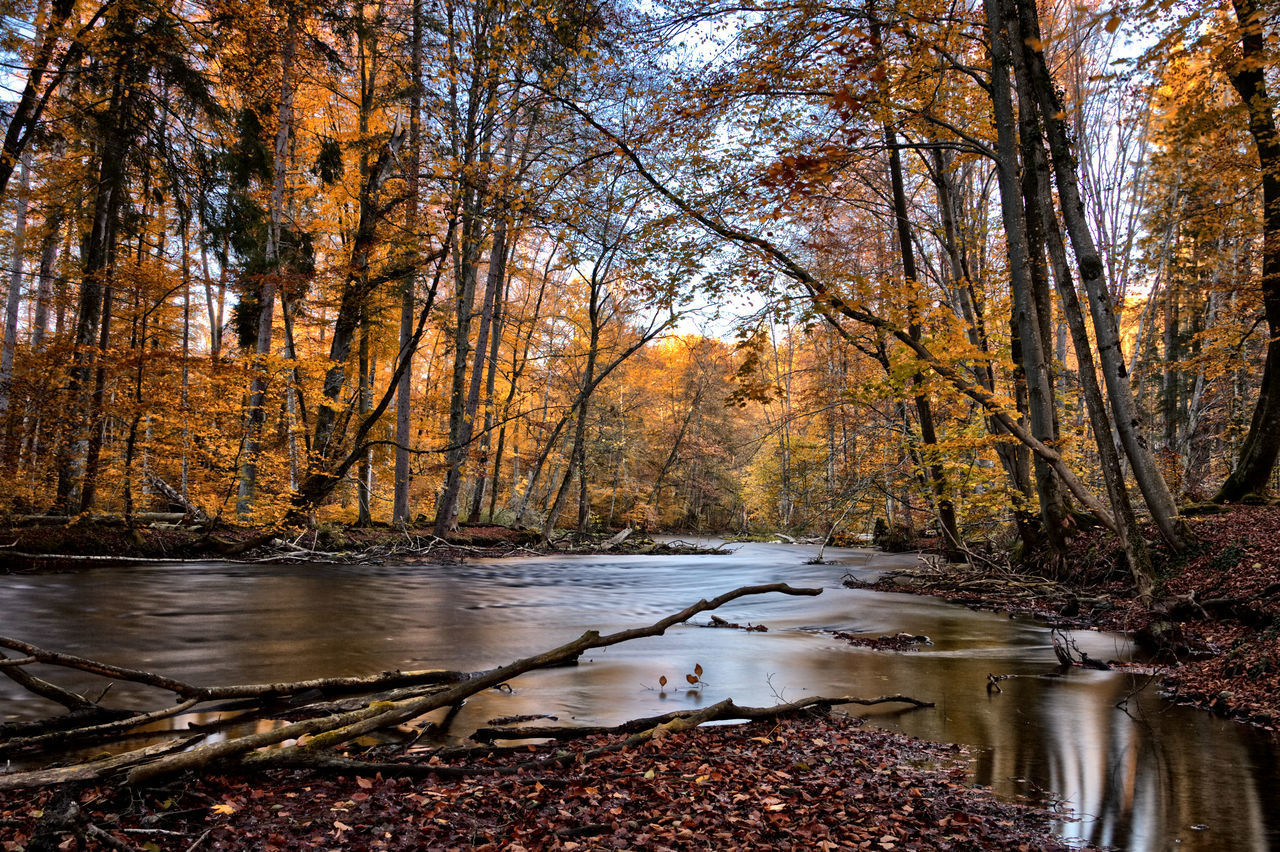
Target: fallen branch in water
(641,730)
(730,712)
(318,728)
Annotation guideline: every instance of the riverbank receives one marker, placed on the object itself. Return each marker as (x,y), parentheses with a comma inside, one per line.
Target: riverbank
(37,545)
(815,782)
(1214,631)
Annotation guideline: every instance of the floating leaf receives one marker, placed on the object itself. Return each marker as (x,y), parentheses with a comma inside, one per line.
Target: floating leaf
(662,681)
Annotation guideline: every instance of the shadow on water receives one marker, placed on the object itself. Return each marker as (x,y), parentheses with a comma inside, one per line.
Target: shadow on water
(1155,778)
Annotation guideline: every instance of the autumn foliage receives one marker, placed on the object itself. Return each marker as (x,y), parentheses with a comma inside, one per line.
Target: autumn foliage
(573,264)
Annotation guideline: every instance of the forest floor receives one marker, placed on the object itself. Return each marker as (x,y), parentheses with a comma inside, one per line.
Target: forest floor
(1214,631)
(810,783)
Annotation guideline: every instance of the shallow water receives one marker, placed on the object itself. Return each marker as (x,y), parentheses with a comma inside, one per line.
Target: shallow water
(1151,778)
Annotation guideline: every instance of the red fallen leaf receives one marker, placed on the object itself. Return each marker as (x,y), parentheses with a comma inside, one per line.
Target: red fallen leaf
(364,783)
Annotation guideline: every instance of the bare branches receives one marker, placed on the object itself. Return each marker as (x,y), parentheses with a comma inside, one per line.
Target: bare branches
(323,725)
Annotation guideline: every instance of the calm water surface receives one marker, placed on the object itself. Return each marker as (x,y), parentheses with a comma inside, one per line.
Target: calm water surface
(1151,778)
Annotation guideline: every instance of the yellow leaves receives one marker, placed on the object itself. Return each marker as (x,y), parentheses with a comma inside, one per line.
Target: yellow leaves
(224,809)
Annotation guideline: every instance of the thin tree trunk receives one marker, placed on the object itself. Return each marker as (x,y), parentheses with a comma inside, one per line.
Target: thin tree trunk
(517,370)
(256,415)
(14,299)
(48,268)
(364,474)
(404,390)
(495,343)
(1025,31)
(1026,321)
(952,545)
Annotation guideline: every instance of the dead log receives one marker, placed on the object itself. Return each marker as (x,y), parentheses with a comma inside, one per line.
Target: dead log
(175,497)
(616,540)
(333,685)
(315,735)
(641,731)
(91,771)
(336,730)
(733,712)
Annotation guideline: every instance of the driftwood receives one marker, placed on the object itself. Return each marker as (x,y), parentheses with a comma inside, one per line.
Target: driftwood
(728,712)
(397,697)
(320,724)
(644,730)
(617,539)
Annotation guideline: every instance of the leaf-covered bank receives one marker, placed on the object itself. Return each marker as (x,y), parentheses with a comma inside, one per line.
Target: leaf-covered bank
(1214,625)
(819,782)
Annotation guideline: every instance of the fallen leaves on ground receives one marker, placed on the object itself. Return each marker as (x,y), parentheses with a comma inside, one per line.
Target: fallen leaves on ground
(818,783)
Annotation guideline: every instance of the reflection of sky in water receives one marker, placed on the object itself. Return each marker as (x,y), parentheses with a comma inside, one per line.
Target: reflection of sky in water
(1138,781)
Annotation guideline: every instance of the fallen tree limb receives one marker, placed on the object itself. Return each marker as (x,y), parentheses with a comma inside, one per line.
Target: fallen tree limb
(566,732)
(183,689)
(336,730)
(38,686)
(314,735)
(617,539)
(641,731)
(92,732)
(175,497)
(90,771)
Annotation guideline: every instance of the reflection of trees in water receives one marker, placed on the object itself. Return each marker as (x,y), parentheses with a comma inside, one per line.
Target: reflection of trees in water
(1141,782)
(1138,783)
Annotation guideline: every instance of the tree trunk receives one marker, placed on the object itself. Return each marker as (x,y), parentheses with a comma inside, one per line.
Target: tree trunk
(518,364)
(256,415)
(404,390)
(1026,320)
(13,301)
(952,545)
(364,474)
(96,261)
(1261,445)
(1128,422)
(48,271)
(495,343)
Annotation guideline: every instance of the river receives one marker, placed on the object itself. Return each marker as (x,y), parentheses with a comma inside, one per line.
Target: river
(1149,777)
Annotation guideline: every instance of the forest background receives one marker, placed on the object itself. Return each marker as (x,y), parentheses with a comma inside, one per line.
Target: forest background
(989,267)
